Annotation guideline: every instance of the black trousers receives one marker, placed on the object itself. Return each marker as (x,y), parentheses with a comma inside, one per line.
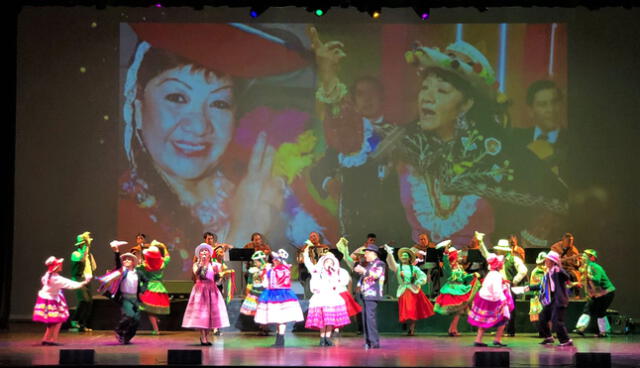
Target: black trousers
(129,319)
(555,314)
(511,326)
(370,323)
(84,306)
(597,307)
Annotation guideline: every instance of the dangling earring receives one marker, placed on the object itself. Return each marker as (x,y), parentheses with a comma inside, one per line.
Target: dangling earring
(461,122)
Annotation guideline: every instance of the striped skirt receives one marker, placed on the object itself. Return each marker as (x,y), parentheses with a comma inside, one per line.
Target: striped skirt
(51,310)
(250,303)
(278,306)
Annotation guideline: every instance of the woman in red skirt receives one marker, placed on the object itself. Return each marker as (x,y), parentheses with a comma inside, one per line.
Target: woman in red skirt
(412,303)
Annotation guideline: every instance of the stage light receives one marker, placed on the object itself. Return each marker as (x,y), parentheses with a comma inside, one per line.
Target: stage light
(422,11)
(257,10)
(318,10)
(375,13)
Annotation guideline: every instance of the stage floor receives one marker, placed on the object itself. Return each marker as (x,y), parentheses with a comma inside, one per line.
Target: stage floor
(21,347)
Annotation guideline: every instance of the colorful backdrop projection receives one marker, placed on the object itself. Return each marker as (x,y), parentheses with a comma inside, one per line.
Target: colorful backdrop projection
(344,129)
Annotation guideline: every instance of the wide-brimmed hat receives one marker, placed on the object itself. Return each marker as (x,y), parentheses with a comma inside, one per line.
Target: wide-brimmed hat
(153,251)
(53,262)
(281,255)
(130,256)
(83,238)
(443,243)
(408,251)
(503,245)
(591,252)
(462,59)
(236,49)
(202,246)
(554,257)
(258,255)
(372,248)
(331,256)
(540,258)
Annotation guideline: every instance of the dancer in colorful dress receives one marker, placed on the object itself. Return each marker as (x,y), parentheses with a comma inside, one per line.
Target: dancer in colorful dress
(206,309)
(600,291)
(51,306)
(278,304)
(535,306)
(492,304)
(155,299)
(412,303)
(255,288)
(458,290)
(326,308)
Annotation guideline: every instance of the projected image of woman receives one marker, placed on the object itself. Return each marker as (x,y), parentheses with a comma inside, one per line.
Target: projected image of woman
(180,112)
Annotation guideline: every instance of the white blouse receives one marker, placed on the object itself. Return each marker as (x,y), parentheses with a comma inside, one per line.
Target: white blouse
(52,286)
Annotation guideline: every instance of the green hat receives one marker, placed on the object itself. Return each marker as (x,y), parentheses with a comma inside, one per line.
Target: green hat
(258,255)
(83,238)
(591,252)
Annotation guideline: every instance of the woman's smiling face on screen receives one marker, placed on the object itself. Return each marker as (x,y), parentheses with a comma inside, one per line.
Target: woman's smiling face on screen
(187,120)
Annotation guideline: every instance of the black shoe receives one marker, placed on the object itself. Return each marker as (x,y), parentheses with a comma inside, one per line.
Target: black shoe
(279,341)
(323,342)
(499,344)
(328,342)
(547,341)
(479,344)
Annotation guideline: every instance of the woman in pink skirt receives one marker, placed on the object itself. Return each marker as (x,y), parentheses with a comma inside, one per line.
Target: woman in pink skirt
(492,304)
(206,309)
(327,309)
(51,306)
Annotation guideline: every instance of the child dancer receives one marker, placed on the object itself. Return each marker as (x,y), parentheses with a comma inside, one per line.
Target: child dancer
(206,309)
(535,306)
(51,306)
(492,304)
(326,308)
(458,291)
(412,303)
(255,288)
(155,299)
(278,304)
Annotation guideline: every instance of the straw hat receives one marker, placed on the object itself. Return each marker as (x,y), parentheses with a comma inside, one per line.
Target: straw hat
(409,252)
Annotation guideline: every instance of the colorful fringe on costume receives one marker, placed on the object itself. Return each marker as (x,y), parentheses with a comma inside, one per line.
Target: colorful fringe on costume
(51,311)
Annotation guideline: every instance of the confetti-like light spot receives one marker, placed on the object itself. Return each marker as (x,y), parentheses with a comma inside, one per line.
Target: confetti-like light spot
(106,117)
(94,24)
(83,69)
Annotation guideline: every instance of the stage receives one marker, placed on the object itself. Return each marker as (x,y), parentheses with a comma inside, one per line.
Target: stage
(20,346)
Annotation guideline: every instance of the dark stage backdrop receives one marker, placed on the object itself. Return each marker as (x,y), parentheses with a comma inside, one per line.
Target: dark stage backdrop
(172,122)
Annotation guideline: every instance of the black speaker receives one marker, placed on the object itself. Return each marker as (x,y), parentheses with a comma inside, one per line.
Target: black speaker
(184,357)
(600,360)
(491,359)
(77,356)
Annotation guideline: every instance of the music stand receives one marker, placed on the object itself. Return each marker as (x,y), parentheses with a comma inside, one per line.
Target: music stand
(240,254)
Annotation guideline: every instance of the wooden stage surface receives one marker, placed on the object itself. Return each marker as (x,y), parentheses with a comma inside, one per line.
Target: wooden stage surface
(20,346)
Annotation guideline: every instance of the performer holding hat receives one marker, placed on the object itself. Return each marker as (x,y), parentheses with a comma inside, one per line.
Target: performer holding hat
(458,290)
(278,304)
(124,285)
(412,303)
(51,306)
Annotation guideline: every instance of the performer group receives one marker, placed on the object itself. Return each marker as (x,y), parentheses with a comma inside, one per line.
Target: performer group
(485,295)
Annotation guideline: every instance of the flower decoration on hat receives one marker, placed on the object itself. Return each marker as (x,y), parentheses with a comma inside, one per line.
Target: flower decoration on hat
(52,263)
(281,255)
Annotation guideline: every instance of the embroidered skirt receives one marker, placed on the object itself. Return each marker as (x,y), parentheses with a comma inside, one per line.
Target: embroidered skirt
(456,304)
(327,309)
(51,310)
(486,314)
